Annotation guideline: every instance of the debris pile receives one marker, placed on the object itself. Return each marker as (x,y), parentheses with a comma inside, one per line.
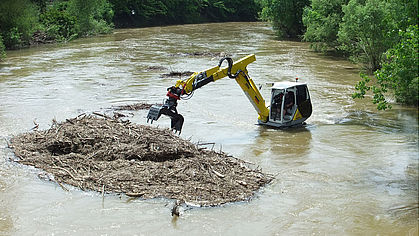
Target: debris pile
(114,156)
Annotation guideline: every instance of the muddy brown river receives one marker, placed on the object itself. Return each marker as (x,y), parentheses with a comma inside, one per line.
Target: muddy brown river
(350,171)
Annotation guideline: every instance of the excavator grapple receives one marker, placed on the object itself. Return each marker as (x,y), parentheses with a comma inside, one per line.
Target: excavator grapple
(169,109)
(157,110)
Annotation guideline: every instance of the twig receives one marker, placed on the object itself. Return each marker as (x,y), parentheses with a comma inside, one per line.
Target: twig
(61,185)
(241,182)
(82,114)
(68,172)
(103,191)
(200,144)
(7,142)
(135,194)
(69,121)
(102,115)
(218,174)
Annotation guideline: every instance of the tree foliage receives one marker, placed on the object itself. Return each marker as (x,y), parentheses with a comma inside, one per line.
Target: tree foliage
(135,13)
(59,23)
(243,10)
(64,20)
(18,20)
(2,48)
(92,17)
(367,30)
(42,4)
(399,73)
(322,20)
(285,15)
(181,12)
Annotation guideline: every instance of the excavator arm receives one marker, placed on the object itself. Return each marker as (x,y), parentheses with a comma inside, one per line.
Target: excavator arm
(183,89)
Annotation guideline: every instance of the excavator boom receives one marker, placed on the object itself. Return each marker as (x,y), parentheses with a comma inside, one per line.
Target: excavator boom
(184,89)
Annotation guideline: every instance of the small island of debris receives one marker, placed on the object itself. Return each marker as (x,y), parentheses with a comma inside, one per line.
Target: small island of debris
(114,156)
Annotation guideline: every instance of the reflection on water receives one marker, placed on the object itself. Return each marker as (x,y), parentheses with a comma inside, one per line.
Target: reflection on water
(286,143)
(350,170)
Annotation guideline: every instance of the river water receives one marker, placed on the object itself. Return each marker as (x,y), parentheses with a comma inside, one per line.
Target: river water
(351,170)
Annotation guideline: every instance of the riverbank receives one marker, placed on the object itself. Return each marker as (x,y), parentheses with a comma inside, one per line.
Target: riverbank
(35,22)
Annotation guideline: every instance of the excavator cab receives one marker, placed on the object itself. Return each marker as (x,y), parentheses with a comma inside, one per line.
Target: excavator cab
(290,104)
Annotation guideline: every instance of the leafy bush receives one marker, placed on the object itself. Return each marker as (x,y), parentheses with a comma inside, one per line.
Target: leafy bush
(214,10)
(18,21)
(181,12)
(67,20)
(104,12)
(243,10)
(322,21)
(13,38)
(368,30)
(59,23)
(2,48)
(92,17)
(137,13)
(285,15)
(399,73)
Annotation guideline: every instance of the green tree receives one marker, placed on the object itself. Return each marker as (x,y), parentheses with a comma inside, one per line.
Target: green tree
(243,10)
(181,12)
(367,30)
(407,13)
(138,13)
(285,15)
(18,21)
(399,73)
(42,4)
(59,24)
(214,10)
(322,20)
(92,16)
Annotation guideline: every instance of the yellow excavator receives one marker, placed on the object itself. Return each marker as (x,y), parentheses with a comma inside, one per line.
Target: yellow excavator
(290,103)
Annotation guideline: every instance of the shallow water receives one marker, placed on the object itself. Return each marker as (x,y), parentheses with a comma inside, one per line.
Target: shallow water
(351,170)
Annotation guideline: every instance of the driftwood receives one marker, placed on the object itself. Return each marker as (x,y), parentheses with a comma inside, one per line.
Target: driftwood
(177,74)
(202,54)
(133,107)
(108,155)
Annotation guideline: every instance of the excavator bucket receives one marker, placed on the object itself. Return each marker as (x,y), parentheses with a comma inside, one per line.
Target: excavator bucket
(157,110)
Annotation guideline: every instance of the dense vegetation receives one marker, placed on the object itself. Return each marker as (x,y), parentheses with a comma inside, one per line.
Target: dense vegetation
(398,73)
(2,48)
(23,22)
(285,15)
(376,33)
(380,34)
(136,13)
